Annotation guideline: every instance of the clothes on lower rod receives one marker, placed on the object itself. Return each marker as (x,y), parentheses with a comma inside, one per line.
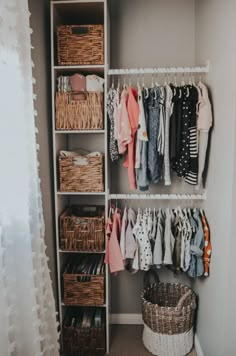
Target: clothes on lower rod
(160,130)
(176,238)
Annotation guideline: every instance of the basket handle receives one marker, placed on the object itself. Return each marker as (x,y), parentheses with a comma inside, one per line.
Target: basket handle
(72,93)
(147,277)
(182,299)
(79,30)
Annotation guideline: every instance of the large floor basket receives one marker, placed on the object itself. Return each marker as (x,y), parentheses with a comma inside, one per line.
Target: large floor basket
(168,313)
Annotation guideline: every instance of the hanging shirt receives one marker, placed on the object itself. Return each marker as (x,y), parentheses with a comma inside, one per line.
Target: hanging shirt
(130,243)
(161,134)
(207,246)
(142,130)
(133,113)
(143,253)
(113,255)
(123,124)
(142,171)
(192,173)
(158,247)
(123,233)
(168,112)
(204,123)
(113,148)
(169,240)
(196,268)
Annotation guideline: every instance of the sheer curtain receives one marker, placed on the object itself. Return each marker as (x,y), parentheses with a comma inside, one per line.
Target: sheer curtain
(28,324)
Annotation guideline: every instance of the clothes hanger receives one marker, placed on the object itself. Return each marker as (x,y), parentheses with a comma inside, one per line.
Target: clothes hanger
(152,80)
(130,81)
(165,82)
(183,80)
(118,84)
(156,83)
(124,83)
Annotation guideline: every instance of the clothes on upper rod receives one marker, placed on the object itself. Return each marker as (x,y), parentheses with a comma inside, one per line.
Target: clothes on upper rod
(159,130)
(176,238)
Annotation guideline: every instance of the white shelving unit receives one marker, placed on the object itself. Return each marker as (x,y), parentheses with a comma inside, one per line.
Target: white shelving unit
(78,12)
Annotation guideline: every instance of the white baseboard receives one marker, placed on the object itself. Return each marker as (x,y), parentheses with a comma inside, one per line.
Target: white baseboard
(128,319)
(197,346)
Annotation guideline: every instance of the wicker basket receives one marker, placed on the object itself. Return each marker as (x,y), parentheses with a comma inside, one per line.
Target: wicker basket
(168,314)
(83,44)
(82,229)
(85,177)
(83,289)
(84,114)
(81,341)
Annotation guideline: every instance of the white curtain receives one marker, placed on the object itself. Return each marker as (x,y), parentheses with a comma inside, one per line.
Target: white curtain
(28,324)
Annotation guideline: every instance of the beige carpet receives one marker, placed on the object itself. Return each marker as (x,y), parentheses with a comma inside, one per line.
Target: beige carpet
(126,340)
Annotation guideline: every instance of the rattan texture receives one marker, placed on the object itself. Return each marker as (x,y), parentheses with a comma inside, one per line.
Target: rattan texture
(77,291)
(84,341)
(168,308)
(79,232)
(80,45)
(80,114)
(76,177)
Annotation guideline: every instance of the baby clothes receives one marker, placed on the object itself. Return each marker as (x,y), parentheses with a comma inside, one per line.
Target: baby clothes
(168,112)
(123,233)
(192,173)
(78,84)
(142,171)
(207,246)
(158,247)
(113,148)
(124,129)
(196,268)
(94,83)
(133,113)
(143,253)
(113,255)
(204,123)
(130,243)
(169,240)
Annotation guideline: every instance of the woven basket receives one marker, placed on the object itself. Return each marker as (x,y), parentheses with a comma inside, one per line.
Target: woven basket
(81,178)
(168,313)
(84,114)
(83,44)
(82,229)
(78,341)
(81,291)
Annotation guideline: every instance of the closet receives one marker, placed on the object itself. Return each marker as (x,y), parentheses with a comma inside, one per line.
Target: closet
(160,35)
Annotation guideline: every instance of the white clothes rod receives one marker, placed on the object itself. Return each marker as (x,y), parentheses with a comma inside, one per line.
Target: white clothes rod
(201,196)
(167,70)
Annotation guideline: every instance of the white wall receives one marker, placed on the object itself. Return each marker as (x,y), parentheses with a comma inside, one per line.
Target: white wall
(146,33)
(216,40)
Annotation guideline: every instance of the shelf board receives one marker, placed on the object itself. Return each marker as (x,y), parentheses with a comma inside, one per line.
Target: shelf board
(81,193)
(79,131)
(82,68)
(79,305)
(94,252)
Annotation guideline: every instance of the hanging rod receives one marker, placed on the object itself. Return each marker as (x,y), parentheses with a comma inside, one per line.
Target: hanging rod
(169,70)
(201,196)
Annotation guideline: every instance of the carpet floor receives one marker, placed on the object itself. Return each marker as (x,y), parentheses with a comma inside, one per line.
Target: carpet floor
(126,340)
